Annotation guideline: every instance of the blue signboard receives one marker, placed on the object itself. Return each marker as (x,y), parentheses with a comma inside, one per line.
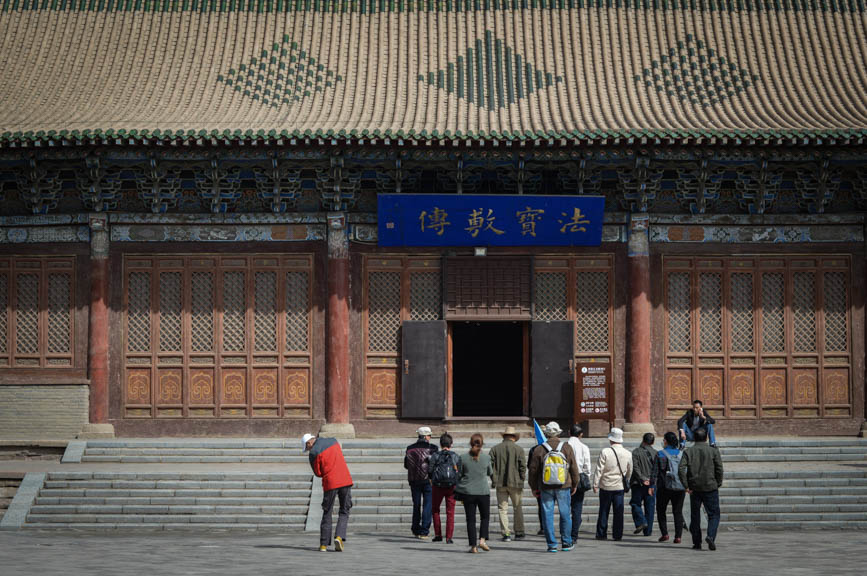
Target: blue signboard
(487,220)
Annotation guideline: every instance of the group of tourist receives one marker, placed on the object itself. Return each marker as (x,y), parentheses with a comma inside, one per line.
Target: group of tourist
(559,474)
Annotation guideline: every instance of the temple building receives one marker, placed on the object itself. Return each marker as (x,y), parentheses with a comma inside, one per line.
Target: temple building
(192,240)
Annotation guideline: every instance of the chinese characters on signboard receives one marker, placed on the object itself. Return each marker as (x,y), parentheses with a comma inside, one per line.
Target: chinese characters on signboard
(592,391)
(480,220)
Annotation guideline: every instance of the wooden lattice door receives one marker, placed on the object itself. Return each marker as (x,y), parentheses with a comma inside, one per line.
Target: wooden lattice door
(217,336)
(758,337)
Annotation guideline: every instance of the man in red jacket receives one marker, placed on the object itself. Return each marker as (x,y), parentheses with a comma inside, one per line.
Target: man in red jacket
(326,459)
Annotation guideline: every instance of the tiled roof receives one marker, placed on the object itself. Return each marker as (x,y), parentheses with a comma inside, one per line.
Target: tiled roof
(579,70)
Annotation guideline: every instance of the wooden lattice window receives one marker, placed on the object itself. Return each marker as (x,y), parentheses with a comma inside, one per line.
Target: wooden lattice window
(36,312)
(593,297)
(582,290)
(772,332)
(217,336)
(551,296)
(396,289)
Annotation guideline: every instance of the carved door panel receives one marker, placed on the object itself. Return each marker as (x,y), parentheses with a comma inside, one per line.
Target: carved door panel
(423,369)
(552,369)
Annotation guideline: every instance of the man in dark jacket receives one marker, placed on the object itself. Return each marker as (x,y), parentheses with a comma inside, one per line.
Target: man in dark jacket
(694,419)
(417,464)
(326,459)
(551,492)
(643,483)
(701,472)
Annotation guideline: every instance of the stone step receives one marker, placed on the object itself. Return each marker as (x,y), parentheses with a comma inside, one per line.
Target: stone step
(284,519)
(191,493)
(356,526)
(194,509)
(172,501)
(266,476)
(390,442)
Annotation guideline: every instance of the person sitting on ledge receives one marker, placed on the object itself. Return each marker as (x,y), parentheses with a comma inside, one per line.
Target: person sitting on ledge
(692,421)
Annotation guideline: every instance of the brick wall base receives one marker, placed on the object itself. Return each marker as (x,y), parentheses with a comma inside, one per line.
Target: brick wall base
(42,412)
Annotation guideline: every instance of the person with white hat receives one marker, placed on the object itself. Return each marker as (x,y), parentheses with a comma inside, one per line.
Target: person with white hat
(417,464)
(611,481)
(554,477)
(328,463)
(510,471)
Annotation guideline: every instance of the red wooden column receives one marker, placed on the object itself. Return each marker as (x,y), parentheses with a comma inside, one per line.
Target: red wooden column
(337,331)
(98,334)
(638,330)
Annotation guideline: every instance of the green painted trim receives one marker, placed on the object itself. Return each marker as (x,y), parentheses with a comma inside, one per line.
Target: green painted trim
(98,136)
(399,6)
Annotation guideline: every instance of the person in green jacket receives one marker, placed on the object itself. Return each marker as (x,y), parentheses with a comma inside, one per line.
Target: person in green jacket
(475,492)
(701,472)
(510,471)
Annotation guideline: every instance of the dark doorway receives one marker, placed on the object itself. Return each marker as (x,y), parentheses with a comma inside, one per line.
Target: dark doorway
(487,368)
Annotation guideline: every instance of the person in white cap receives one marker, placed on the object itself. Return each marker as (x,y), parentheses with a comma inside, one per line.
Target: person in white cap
(611,480)
(554,476)
(328,463)
(417,464)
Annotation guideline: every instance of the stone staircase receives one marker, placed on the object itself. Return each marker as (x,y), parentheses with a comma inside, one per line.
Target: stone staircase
(232,450)
(770,484)
(171,501)
(749,500)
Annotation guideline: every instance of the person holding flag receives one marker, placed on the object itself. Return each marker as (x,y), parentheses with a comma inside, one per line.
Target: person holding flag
(540,439)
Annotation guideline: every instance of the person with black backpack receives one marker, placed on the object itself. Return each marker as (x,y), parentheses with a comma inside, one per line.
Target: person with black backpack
(444,467)
(417,464)
(669,488)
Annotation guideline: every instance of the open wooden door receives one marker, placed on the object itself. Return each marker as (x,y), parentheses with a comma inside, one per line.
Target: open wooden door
(423,370)
(552,371)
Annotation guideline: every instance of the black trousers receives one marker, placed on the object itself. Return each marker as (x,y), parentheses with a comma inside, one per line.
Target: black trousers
(483,503)
(676,497)
(344,495)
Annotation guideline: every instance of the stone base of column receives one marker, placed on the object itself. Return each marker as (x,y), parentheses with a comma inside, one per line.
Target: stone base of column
(337,430)
(863,433)
(637,429)
(95,431)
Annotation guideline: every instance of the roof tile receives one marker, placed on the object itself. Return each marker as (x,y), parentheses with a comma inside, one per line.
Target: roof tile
(435,69)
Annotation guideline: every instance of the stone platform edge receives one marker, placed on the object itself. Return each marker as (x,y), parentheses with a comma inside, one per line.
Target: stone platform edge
(16,514)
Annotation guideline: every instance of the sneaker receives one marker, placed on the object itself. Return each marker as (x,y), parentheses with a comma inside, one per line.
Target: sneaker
(449,541)
(552,550)
(640,529)
(507,538)
(323,548)
(567,548)
(710,544)
(421,536)
(338,544)
(437,539)
(519,536)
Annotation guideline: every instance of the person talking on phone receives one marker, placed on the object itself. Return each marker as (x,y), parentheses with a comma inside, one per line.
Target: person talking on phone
(694,419)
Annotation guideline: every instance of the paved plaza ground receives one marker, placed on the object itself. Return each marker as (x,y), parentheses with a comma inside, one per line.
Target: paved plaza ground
(739,553)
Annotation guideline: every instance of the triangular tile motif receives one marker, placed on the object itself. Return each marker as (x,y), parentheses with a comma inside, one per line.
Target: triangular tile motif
(490,74)
(694,73)
(280,77)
